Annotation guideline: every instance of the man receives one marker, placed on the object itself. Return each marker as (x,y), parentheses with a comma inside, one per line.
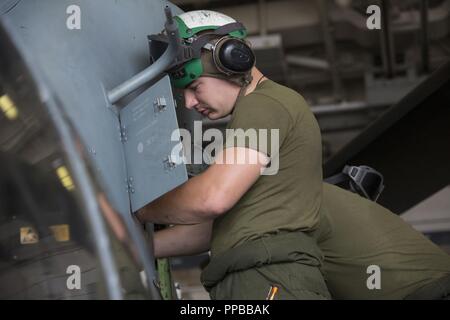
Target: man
(284,235)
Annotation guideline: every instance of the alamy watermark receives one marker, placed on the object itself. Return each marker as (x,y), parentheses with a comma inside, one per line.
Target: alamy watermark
(73,21)
(374,20)
(374,280)
(74,279)
(266,141)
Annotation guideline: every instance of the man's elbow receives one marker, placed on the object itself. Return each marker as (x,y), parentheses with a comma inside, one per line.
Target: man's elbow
(217,206)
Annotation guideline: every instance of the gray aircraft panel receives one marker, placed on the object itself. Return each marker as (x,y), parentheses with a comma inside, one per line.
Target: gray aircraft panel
(148,123)
(82,64)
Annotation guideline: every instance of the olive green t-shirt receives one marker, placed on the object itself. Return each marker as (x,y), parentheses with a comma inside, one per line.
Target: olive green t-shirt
(289,198)
(361,239)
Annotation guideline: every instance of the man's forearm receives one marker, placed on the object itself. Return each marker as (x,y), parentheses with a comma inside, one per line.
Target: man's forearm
(171,208)
(189,203)
(182,240)
(208,195)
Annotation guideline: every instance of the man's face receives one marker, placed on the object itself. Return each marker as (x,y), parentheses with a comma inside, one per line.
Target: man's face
(212,97)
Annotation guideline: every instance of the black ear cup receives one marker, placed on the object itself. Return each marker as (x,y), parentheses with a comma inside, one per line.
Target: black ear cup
(233,56)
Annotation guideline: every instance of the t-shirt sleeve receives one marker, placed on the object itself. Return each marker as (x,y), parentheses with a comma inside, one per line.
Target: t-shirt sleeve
(259,122)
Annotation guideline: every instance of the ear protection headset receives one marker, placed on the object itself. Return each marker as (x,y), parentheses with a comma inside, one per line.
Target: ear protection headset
(232,56)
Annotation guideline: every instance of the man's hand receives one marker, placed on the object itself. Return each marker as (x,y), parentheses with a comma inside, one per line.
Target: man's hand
(210,194)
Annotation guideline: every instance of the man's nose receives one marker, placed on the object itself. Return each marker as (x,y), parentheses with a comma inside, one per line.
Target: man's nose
(189,99)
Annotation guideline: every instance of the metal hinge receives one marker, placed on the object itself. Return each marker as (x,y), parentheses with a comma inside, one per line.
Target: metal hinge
(160,104)
(169,163)
(129,185)
(123,134)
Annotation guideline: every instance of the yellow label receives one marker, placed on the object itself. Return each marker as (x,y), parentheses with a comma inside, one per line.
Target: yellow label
(61,232)
(65,178)
(62,172)
(28,235)
(8,107)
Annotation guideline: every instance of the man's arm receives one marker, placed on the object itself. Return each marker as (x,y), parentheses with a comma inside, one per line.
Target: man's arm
(182,240)
(210,194)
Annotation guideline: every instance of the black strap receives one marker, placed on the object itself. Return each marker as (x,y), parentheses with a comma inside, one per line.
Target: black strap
(337,178)
(203,39)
